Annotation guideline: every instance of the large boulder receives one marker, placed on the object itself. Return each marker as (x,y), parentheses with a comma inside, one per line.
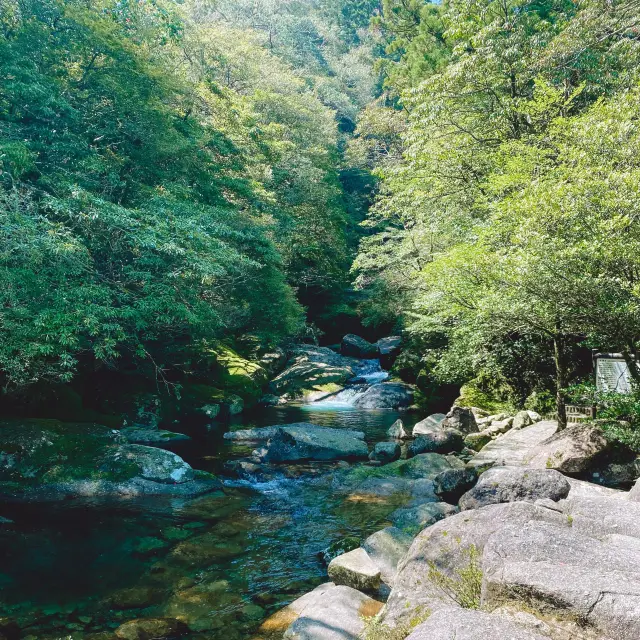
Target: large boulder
(576,449)
(429,424)
(465,624)
(329,612)
(388,350)
(354,346)
(386,548)
(462,419)
(595,581)
(298,442)
(451,484)
(448,547)
(385,452)
(522,419)
(445,441)
(397,431)
(150,629)
(355,569)
(386,395)
(511,484)
(51,460)
(310,368)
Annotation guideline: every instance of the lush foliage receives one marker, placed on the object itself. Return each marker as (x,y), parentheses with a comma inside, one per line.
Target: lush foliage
(509,225)
(168,181)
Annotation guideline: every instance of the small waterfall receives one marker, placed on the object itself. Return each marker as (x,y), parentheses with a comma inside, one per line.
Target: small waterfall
(367,373)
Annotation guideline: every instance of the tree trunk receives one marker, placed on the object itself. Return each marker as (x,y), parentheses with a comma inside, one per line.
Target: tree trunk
(561,380)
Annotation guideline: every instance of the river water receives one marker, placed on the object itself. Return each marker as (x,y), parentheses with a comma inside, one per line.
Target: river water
(223,562)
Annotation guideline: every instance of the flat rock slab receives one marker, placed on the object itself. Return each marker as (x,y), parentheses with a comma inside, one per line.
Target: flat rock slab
(330,612)
(514,447)
(298,442)
(355,569)
(595,581)
(466,624)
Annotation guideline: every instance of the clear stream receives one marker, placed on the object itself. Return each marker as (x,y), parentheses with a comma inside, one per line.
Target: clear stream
(223,563)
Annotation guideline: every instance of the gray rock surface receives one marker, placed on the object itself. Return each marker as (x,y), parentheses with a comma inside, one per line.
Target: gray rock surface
(634,494)
(414,519)
(451,484)
(446,546)
(397,431)
(595,581)
(295,443)
(429,424)
(466,624)
(514,447)
(385,452)
(355,569)
(386,395)
(462,419)
(512,484)
(354,346)
(444,441)
(388,350)
(576,449)
(310,366)
(330,612)
(522,419)
(386,548)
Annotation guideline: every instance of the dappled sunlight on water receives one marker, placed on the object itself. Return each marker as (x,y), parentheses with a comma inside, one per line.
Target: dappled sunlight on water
(222,563)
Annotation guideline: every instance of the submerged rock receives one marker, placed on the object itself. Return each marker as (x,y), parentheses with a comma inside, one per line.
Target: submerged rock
(511,484)
(385,452)
(354,346)
(337,548)
(152,437)
(386,395)
(355,569)
(294,443)
(150,629)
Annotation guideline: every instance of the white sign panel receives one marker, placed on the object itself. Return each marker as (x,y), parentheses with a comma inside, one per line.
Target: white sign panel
(612,374)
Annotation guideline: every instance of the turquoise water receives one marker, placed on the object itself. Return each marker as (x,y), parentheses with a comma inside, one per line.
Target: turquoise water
(221,563)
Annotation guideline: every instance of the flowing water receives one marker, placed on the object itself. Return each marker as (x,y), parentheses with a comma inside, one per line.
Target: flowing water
(223,562)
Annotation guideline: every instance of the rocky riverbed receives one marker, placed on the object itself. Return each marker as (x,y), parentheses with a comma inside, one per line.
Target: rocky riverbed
(318,519)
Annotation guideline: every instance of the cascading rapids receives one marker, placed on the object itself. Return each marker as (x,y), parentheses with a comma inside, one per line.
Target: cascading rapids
(367,373)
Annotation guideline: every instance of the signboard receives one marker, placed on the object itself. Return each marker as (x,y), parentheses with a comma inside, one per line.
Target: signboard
(612,373)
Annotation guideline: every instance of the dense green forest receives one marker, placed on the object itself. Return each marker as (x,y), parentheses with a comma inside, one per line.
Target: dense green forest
(181,176)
